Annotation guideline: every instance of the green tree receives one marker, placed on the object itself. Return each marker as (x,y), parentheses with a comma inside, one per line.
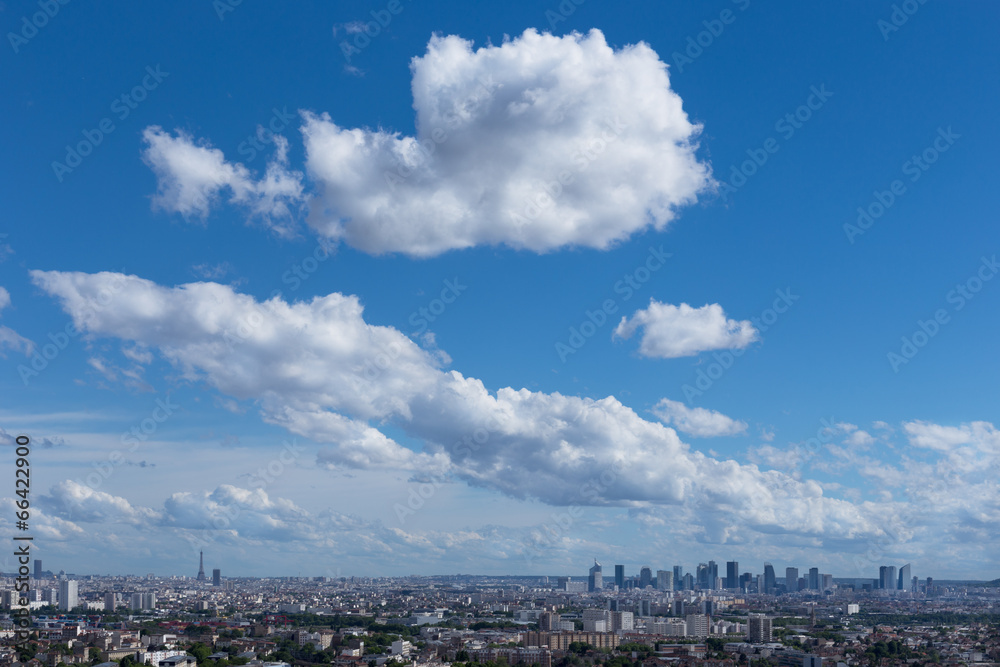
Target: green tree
(199,651)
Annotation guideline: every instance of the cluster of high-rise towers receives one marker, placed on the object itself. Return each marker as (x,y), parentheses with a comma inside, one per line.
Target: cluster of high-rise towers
(706,577)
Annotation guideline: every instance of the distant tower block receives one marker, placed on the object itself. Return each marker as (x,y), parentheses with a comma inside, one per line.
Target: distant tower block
(201,566)
(216,577)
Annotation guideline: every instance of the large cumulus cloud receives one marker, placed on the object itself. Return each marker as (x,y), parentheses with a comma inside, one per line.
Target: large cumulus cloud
(539,143)
(309,366)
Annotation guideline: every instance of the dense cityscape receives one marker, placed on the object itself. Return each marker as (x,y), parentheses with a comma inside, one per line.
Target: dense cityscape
(646,619)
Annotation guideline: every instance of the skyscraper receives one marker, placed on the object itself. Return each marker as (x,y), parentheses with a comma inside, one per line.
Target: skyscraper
(732,574)
(769,579)
(664,580)
(645,577)
(67,595)
(216,577)
(201,566)
(679,577)
(814,578)
(903,583)
(109,601)
(791,579)
(887,577)
(713,574)
(38,568)
(595,581)
(701,576)
(620,576)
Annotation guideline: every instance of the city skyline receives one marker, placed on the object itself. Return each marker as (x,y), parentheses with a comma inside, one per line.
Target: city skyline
(880,577)
(507,291)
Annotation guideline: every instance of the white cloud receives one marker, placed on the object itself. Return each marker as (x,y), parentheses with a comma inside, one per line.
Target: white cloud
(670,331)
(254,526)
(77,502)
(191,176)
(7,439)
(540,143)
(497,125)
(699,422)
(779,458)
(310,367)
(243,512)
(44,525)
(859,438)
(9,337)
(940,438)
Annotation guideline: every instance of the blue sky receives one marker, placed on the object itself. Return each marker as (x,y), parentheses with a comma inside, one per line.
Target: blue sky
(254,233)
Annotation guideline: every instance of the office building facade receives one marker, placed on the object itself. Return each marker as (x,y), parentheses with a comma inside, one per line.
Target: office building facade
(595,581)
(791,579)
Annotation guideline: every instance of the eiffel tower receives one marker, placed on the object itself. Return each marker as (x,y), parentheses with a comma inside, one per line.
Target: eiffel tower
(201,566)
